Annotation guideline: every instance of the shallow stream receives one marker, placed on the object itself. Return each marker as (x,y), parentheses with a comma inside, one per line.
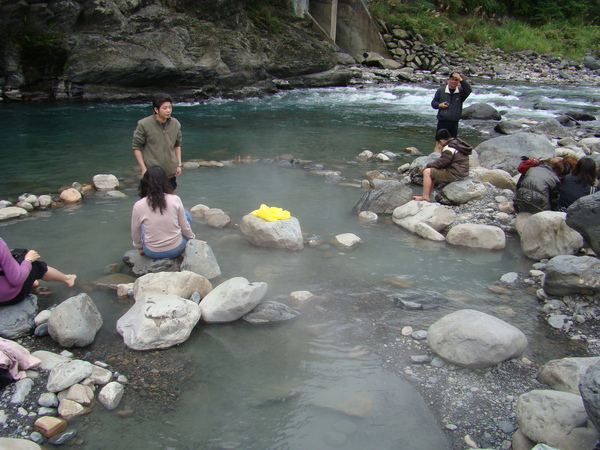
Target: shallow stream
(308,384)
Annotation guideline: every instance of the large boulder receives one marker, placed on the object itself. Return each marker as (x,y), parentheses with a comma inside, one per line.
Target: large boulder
(384,200)
(481,111)
(565,374)
(505,152)
(589,388)
(284,233)
(477,235)
(158,321)
(475,340)
(199,258)
(414,212)
(552,128)
(555,418)
(17,320)
(546,234)
(231,300)
(584,216)
(182,284)
(569,274)
(75,322)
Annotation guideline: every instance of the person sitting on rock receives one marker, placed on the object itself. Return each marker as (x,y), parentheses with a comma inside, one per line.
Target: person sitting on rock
(18,278)
(160,226)
(581,182)
(452,165)
(538,188)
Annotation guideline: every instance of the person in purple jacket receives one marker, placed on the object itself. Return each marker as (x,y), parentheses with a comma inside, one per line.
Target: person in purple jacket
(17,280)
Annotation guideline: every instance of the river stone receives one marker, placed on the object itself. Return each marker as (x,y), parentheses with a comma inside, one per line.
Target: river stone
(565,374)
(182,284)
(552,128)
(504,152)
(22,389)
(75,322)
(110,396)
(142,265)
(385,199)
(480,111)
(216,218)
(567,274)
(113,280)
(584,216)
(199,258)
(475,340)
(70,195)
(589,388)
(427,232)
(66,374)
(477,236)
(18,320)
(555,418)
(499,178)
(435,215)
(231,300)
(284,233)
(270,312)
(463,191)
(49,359)
(105,182)
(346,241)
(158,321)
(546,235)
(12,212)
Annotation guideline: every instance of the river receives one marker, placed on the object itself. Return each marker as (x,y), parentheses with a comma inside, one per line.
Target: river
(305,384)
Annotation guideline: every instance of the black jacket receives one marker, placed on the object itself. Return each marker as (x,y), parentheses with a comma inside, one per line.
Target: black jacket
(537,190)
(454,111)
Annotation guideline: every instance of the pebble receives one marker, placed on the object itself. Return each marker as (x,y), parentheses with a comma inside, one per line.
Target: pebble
(406,331)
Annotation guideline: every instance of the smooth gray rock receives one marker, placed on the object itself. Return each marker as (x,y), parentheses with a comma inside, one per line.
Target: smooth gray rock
(182,284)
(435,215)
(568,274)
(75,322)
(463,191)
(158,321)
(142,265)
(66,374)
(199,258)
(480,111)
(584,216)
(546,234)
(475,340)
(285,234)
(477,236)
(231,300)
(18,320)
(270,312)
(384,200)
(589,388)
(565,374)
(505,152)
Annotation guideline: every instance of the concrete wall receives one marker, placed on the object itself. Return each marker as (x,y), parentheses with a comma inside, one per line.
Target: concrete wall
(348,23)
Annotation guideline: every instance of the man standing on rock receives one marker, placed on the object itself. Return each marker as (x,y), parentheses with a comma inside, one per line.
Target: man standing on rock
(448,100)
(157,139)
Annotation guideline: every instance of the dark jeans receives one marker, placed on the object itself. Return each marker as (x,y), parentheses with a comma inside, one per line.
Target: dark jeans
(452,127)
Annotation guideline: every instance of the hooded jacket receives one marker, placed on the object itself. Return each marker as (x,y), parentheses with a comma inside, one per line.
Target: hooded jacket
(537,190)
(454,159)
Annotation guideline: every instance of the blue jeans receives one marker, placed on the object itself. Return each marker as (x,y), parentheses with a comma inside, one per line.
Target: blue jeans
(174,253)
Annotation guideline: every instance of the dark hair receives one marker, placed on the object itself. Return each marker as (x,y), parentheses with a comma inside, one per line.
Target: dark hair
(556,164)
(443,134)
(159,99)
(586,171)
(154,185)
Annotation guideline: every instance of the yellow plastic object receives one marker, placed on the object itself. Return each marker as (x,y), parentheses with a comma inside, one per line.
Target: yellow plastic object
(271,213)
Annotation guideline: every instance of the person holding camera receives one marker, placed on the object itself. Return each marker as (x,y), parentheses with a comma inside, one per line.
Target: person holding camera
(448,100)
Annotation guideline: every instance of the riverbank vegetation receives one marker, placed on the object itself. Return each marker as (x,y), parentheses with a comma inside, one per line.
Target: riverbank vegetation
(566,28)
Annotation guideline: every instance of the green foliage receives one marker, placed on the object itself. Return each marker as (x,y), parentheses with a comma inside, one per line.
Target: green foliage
(562,27)
(268,15)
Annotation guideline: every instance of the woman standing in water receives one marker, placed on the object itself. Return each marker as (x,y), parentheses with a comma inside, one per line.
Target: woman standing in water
(17,279)
(160,226)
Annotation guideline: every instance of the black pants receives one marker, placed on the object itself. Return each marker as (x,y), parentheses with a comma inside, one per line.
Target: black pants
(452,127)
(38,270)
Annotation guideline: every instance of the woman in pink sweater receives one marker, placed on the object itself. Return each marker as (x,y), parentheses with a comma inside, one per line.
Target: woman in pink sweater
(160,226)
(17,279)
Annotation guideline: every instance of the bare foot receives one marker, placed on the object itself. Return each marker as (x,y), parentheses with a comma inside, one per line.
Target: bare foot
(70,281)
(35,284)
(421,199)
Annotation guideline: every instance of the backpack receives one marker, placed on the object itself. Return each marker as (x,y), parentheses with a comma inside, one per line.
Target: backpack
(527,163)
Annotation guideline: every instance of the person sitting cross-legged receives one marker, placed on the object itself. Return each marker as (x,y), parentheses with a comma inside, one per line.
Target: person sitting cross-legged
(452,165)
